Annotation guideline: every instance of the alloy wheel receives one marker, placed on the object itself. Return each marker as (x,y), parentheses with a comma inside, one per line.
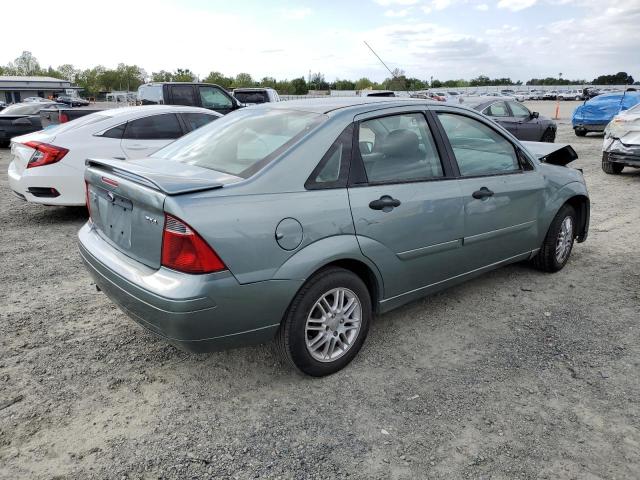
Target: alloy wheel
(564,240)
(333,324)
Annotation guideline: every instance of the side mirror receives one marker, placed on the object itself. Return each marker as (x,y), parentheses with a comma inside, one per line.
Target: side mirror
(535,114)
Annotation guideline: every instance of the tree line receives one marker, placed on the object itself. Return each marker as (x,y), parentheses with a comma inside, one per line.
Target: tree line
(129,77)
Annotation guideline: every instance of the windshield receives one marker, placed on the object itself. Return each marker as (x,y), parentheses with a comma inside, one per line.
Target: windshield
(23,109)
(251,96)
(242,142)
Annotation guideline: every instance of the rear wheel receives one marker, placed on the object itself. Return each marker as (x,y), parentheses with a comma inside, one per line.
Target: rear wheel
(548,136)
(326,323)
(558,242)
(612,168)
(580,132)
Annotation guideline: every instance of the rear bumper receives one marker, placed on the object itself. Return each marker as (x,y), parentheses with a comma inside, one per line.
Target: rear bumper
(196,313)
(67,180)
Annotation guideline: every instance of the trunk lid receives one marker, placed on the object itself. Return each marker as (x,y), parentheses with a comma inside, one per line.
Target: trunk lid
(126,200)
(552,153)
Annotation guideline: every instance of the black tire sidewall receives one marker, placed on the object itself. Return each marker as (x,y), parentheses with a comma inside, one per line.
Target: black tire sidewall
(566,211)
(301,306)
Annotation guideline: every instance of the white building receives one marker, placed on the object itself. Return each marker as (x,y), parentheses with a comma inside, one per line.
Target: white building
(15,89)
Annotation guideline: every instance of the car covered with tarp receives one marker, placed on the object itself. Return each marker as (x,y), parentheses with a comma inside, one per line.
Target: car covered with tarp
(594,115)
(621,147)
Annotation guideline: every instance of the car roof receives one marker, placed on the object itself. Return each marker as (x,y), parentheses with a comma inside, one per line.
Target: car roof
(334,104)
(152,109)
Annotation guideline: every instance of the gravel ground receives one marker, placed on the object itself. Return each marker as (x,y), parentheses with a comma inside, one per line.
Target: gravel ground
(515,375)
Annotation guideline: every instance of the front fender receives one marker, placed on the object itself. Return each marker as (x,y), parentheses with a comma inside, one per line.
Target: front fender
(314,256)
(559,198)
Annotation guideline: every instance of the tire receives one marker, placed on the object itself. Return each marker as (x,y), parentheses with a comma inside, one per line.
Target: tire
(612,168)
(295,342)
(580,132)
(548,258)
(548,136)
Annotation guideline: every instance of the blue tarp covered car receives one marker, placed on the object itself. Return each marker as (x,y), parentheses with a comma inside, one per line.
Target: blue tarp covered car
(595,114)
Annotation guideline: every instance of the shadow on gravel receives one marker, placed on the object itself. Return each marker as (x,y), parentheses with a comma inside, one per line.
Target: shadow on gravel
(29,214)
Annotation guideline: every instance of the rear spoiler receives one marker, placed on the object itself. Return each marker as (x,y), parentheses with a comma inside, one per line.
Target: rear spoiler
(553,153)
(177,179)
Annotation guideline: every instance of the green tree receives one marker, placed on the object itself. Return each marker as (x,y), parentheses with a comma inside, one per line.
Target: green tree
(26,64)
(243,80)
(363,83)
(268,82)
(344,85)
(68,72)
(299,86)
(436,83)
(161,76)
(219,79)
(183,75)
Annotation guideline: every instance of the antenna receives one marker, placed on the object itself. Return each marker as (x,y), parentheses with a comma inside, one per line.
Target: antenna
(378,57)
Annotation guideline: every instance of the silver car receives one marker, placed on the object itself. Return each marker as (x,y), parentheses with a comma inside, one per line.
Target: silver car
(297,221)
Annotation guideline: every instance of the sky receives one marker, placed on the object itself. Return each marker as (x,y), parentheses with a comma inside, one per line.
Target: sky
(442,39)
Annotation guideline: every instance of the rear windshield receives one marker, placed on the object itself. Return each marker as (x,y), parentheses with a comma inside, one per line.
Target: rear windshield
(242,142)
(251,97)
(30,109)
(82,121)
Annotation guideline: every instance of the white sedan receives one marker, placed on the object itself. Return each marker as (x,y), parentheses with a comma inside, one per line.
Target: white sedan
(48,166)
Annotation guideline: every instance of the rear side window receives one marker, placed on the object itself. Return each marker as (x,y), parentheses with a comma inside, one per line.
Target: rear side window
(182,95)
(214,98)
(398,148)
(333,169)
(115,132)
(479,150)
(498,109)
(154,127)
(197,120)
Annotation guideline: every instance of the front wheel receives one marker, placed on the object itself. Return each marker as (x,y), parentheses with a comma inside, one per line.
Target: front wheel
(558,243)
(580,132)
(612,168)
(327,322)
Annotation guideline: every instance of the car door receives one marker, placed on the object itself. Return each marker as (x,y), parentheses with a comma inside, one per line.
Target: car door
(500,113)
(406,206)
(502,192)
(146,135)
(527,126)
(215,99)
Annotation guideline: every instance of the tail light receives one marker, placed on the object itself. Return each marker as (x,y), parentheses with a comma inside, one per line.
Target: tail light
(63,117)
(86,197)
(45,154)
(186,251)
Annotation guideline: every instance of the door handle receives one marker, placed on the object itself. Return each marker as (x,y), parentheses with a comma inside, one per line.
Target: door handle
(384,203)
(484,192)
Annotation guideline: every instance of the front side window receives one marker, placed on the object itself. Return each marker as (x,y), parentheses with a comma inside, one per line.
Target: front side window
(214,98)
(242,143)
(154,127)
(479,150)
(519,111)
(398,148)
(498,109)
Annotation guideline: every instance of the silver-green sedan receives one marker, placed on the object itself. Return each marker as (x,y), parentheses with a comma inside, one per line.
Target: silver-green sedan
(298,221)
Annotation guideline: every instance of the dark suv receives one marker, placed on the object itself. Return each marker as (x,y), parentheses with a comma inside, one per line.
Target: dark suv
(206,95)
